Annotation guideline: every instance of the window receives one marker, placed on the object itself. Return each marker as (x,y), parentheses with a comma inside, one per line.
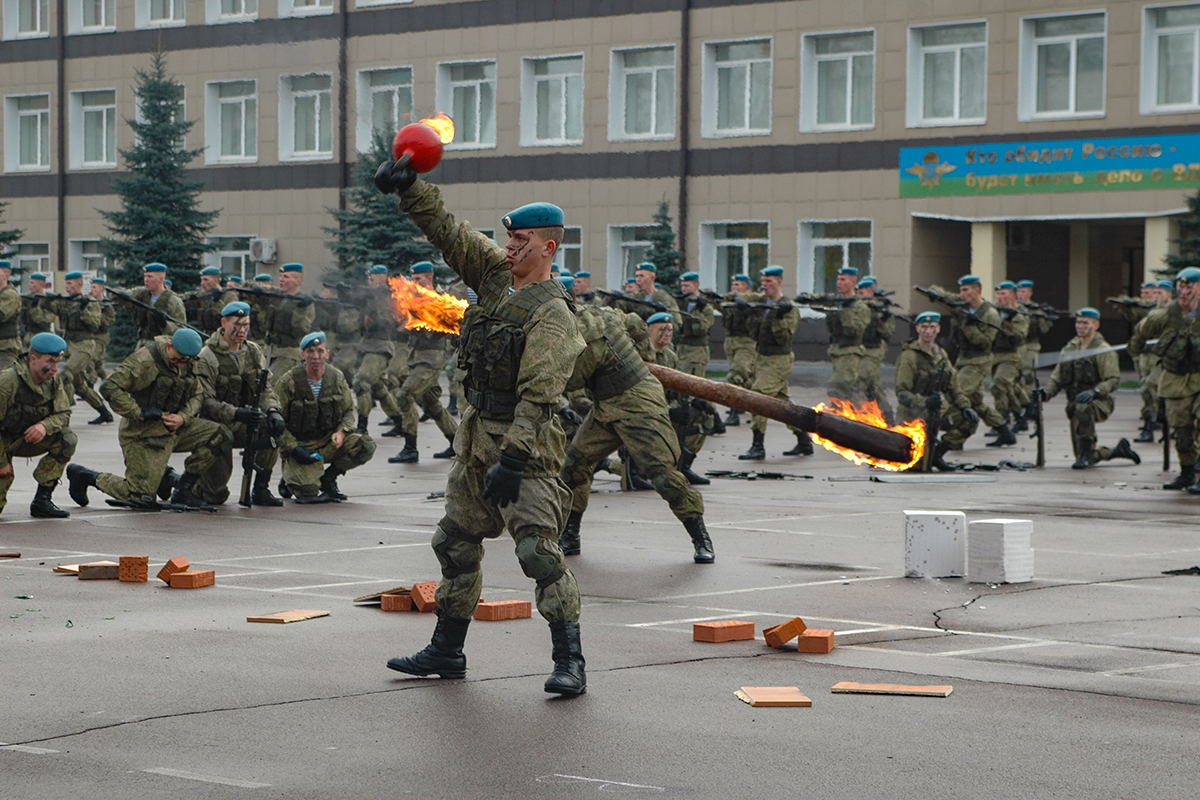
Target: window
(1171,53)
(731,248)
(838,81)
(1062,67)
(232,255)
(85,255)
(306,117)
(569,255)
(469,91)
(385,101)
(642,89)
(220,11)
(26,19)
(627,247)
(552,101)
(27,140)
(91,16)
(826,247)
(298,8)
(737,88)
(159,13)
(231,121)
(94,129)
(31,258)
(947,69)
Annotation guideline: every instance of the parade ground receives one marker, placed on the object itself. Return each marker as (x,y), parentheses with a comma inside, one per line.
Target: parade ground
(1083,683)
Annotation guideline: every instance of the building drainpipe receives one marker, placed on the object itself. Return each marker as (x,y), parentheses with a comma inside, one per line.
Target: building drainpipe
(61,144)
(342,84)
(685,60)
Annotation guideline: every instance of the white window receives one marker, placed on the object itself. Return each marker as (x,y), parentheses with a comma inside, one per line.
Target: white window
(1171,59)
(837,89)
(1062,67)
(469,91)
(85,255)
(736,100)
(385,101)
(231,122)
(232,256)
(91,16)
(300,8)
(217,12)
(947,75)
(306,117)
(569,255)
(552,101)
(159,13)
(642,88)
(94,129)
(27,138)
(627,247)
(826,247)
(732,248)
(30,258)
(26,19)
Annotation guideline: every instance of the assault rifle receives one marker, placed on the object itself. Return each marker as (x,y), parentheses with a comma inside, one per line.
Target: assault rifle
(125,297)
(193,298)
(248,468)
(1048,310)
(151,503)
(827,300)
(956,307)
(648,303)
(302,299)
(1131,301)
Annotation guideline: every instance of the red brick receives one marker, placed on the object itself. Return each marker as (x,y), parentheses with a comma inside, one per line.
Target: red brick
(135,569)
(780,635)
(726,630)
(193,579)
(504,609)
(176,564)
(422,596)
(396,602)
(815,641)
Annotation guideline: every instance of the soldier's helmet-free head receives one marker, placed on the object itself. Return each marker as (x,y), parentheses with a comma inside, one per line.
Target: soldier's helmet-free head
(236,309)
(775,271)
(534,215)
(211,271)
(187,342)
(1189,275)
(262,277)
(378,269)
(1025,284)
(48,344)
(5,265)
(928,316)
(865,282)
(659,316)
(567,281)
(1167,283)
(648,266)
(969,280)
(100,279)
(312,340)
(852,271)
(1088,312)
(583,273)
(1006,285)
(155,266)
(74,275)
(292,267)
(422,267)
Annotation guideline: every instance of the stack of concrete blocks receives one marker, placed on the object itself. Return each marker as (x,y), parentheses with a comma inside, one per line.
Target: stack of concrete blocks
(935,544)
(1000,551)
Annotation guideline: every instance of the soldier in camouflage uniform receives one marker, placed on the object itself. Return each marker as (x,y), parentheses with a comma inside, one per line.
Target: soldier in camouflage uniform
(875,343)
(1029,351)
(154,292)
(79,318)
(1007,391)
(376,350)
(1148,364)
(230,369)
(739,337)
(846,328)
(455,373)
(582,291)
(288,321)
(34,318)
(692,418)
(10,318)
(344,317)
(108,314)
(204,305)
(35,412)
(774,359)
(691,343)
(158,396)
(518,346)
(318,411)
(644,289)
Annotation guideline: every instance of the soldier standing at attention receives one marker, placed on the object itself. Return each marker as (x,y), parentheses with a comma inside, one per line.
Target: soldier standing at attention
(584,296)
(79,318)
(35,411)
(154,292)
(108,314)
(288,321)
(846,328)
(739,338)
(10,318)
(1006,360)
(775,358)
(34,318)
(204,305)
(691,344)
(875,343)
(519,345)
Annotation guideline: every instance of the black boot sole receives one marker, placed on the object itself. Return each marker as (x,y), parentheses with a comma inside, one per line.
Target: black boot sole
(400,665)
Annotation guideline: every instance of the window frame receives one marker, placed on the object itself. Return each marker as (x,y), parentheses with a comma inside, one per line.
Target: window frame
(570,247)
(806,266)
(214,15)
(287,119)
(78,259)
(810,89)
(364,127)
(212,123)
(212,258)
(12,20)
(1028,72)
(444,91)
(709,243)
(709,110)
(529,105)
(915,105)
(617,95)
(12,134)
(27,263)
(616,261)
(77,120)
(293,8)
(142,10)
(1149,105)
(76,26)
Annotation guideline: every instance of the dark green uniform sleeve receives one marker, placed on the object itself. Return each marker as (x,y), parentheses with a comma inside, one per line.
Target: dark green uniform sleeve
(469,253)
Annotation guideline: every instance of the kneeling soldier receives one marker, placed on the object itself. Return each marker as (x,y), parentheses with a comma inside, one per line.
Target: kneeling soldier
(35,407)
(318,411)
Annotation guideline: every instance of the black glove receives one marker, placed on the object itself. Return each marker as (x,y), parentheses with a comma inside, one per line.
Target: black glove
(249,415)
(700,302)
(569,416)
(738,300)
(302,455)
(703,406)
(1086,396)
(303,300)
(933,295)
(152,414)
(395,176)
(680,415)
(503,482)
(1040,395)
(275,424)
(933,402)
(782,308)
(971,415)
(215,294)
(1006,313)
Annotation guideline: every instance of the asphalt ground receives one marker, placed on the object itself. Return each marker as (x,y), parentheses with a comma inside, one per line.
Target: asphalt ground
(1084,683)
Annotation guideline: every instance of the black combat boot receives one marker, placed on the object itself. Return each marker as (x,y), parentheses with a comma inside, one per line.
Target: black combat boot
(284,490)
(261,494)
(452,406)
(1021,425)
(938,460)
(1124,450)
(449,451)
(1004,437)
(568,678)
(718,428)
(1083,458)
(704,549)
(396,430)
(329,484)
(79,479)
(410,454)
(424,417)
(1147,432)
(732,420)
(183,491)
(568,542)
(1187,476)
(756,451)
(804,445)
(362,424)
(444,656)
(105,417)
(167,484)
(685,466)
(43,507)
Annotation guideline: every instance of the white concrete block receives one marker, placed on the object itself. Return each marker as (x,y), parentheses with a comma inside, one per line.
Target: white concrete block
(999,551)
(935,544)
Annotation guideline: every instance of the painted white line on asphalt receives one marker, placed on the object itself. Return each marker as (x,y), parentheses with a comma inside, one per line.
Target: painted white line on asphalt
(24,748)
(276,591)
(192,776)
(321,552)
(689,619)
(324,585)
(776,587)
(872,630)
(996,649)
(604,784)
(1150,668)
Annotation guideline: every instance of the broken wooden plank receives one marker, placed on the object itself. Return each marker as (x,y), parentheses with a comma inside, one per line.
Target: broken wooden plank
(10,554)
(284,617)
(67,569)
(773,697)
(850,687)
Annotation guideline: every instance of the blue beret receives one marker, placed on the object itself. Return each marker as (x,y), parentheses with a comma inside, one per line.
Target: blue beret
(314,338)
(690,276)
(583,273)
(378,269)
(741,276)
(928,316)
(235,309)
(1149,284)
(292,267)
(187,342)
(211,271)
(848,271)
(1167,283)
(629,281)
(661,316)
(234,279)
(1025,284)
(567,281)
(168,282)
(38,276)
(566,273)
(264,277)
(865,282)
(649,266)
(774,270)
(422,267)
(154,267)
(100,279)
(1190,274)
(74,275)
(48,344)
(555,269)
(969,280)
(1090,312)
(5,264)
(1006,285)
(657,285)
(534,215)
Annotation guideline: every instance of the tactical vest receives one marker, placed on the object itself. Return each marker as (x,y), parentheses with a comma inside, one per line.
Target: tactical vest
(491,345)
(1006,342)
(279,331)
(873,336)
(107,315)
(208,317)
(378,321)
(28,407)
(690,334)
(310,419)
(170,392)
(737,322)
(621,368)
(768,342)
(149,323)
(232,386)
(839,336)
(964,346)
(11,327)
(70,319)
(1078,374)
(931,375)
(1179,344)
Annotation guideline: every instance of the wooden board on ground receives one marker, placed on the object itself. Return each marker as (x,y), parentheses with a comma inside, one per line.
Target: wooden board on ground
(773,697)
(284,617)
(377,597)
(12,554)
(67,569)
(850,687)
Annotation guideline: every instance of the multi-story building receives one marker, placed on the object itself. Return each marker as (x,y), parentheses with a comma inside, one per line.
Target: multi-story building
(913,139)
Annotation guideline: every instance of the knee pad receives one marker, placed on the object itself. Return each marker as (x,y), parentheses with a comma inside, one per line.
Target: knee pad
(456,556)
(70,442)
(539,561)
(222,440)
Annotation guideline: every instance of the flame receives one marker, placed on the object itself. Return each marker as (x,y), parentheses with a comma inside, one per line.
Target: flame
(443,125)
(422,309)
(870,414)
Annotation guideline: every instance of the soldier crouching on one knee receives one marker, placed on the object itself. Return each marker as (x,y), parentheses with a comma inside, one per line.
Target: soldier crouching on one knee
(35,409)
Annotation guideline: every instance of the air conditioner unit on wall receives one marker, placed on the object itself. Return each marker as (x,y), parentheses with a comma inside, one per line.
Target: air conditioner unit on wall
(262,250)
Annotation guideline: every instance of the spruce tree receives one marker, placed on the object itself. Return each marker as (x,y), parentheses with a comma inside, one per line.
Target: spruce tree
(372,230)
(10,236)
(662,252)
(160,218)
(1188,241)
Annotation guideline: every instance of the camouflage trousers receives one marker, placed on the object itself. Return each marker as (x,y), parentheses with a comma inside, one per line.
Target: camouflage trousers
(146,457)
(79,372)
(345,357)
(771,376)
(869,381)
(1010,396)
(397,368)
(740,352)
(653,446)
(1083,417)
(1028,354)
(213,486)
(371,384)
(1149,368)
(1183,414)
(693,359)
(56,451)
(421,388)
(302,479)
(971,377)
(845,383)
